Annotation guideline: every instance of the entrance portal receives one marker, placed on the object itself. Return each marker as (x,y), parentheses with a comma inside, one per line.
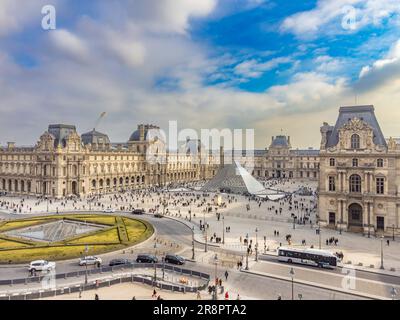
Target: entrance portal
(355,215)
(74,188)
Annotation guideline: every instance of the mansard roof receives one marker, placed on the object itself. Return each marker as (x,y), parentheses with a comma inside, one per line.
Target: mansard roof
(280,141)
(60,132)
(94,136)
(366,114)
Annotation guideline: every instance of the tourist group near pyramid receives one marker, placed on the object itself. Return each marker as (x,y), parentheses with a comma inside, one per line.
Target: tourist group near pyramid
(233,178)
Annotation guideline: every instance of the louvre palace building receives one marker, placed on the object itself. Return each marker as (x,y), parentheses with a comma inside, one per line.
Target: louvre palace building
(357,168)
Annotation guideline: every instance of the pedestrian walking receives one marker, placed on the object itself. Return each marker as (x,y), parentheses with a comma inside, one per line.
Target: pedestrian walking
(96,297)
(226,275)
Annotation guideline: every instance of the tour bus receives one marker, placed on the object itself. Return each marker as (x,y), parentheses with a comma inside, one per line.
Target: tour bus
(311,257)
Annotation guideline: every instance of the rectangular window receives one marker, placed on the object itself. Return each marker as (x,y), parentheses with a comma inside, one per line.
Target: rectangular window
(380,185)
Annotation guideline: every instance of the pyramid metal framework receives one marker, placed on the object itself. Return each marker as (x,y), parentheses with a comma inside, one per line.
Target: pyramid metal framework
(234,178)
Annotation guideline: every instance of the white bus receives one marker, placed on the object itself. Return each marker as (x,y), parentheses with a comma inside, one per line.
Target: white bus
(311,257)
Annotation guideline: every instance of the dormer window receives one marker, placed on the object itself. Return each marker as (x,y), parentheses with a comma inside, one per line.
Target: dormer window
(332,162)
(379,163)
(355,141)
(355,162)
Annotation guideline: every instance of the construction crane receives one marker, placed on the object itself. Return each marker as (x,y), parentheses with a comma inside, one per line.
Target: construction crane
(102,115)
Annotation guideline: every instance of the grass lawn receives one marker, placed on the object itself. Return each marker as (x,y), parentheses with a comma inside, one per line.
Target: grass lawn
(122,233)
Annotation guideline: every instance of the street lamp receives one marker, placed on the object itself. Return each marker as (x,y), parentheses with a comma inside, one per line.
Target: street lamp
(205,230)
(292,276)
(223,229)
(393,226)
(382,267)
(256,246)
(247,258)
(86,268)
(216,265)
(163,268)
(193,257)
(294,222)
(319,233)
(265,245)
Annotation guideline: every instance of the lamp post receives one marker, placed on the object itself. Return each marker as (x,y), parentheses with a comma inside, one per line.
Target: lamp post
(319,234)
(247,258)
(193,257)
(382,267)
(292,276)
(256,246)
(393,226)
(223,229)
(294,222)
(216,265)
(86,268)
(265,245)
(163,268)
(205,230)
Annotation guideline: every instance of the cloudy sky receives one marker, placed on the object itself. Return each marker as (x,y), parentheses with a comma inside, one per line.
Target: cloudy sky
(270,65)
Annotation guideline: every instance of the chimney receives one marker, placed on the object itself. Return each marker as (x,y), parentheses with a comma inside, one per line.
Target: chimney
(221,157)
(288,139)
(272,139)
(10,145)
(141,131)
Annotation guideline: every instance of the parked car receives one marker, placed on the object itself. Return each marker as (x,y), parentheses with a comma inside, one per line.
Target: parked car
(118,262)
(138,211)
(174,259)
(146,258)
(90,260)
(41,265)
(158,215)
(109,210)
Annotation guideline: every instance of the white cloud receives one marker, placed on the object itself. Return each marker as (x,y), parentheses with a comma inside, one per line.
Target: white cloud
(69,44)
(160,16)
(254,69)
(329,17)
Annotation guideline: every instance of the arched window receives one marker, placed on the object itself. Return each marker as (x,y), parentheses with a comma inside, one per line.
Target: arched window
(355,183)
(332,162)
(379,163)
(355,141)
(355,162)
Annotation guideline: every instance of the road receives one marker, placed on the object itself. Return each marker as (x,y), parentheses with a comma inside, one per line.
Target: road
(250,285)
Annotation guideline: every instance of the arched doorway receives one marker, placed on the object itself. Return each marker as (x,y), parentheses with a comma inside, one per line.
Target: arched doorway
(355,215)
(74,186)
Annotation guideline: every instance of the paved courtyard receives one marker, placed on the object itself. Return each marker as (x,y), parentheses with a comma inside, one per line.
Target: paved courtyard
(233,218)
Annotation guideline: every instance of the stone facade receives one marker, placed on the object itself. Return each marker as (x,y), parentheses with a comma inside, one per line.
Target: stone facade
(281,161)
(61,164)
(359,174)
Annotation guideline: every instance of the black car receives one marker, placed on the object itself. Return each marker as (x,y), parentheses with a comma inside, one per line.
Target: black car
(138,211)
(118,262)
(174,259)
(158,215)
(146,258)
